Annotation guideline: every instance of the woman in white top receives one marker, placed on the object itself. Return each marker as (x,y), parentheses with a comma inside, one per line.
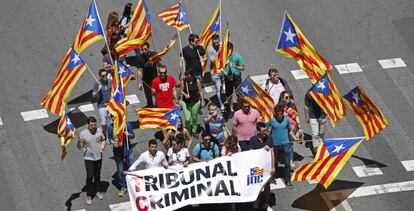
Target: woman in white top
(178,155)
(231,146)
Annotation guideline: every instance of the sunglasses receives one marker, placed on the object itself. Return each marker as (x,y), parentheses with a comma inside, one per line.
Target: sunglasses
(287,97)
(144,49)
(103,76)
(207,139)
(163,73)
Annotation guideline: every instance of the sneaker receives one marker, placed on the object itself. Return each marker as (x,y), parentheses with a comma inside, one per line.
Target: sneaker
(99,195)
(290,185)
(88,200)
(269,208)
(122,192)
(292,164)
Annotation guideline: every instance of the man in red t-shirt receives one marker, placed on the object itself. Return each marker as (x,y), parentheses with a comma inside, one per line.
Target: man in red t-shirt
(163,88)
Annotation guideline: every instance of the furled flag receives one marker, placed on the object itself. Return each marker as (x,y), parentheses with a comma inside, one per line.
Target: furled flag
(291,108)
(65,132)
(117,105)
(370,117)
(124,72)
(331,157)
(212,27)
(161,118)
(257,98)
(91,30)
(221,59)
(327,96)
(139,30)
(175,16)
(157,57)
(66,79)
(293,44)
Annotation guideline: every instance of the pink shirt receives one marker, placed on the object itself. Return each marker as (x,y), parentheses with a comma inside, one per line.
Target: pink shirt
(245,124)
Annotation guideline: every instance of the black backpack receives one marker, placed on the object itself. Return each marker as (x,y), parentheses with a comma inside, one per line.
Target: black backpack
(203,148)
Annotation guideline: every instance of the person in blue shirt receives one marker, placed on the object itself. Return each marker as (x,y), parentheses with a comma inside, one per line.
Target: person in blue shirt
(101,93)
(281,130)
(205,150)
(122,155)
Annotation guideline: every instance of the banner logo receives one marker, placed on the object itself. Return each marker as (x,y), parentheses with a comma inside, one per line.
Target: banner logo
(256,176)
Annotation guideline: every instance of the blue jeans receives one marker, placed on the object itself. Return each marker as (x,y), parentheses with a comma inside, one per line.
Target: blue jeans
(285,149)
(122,164)
(218,83)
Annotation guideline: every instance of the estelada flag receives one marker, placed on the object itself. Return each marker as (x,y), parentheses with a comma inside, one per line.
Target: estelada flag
(175,16)
(161,118)
(65,132)
(371,118)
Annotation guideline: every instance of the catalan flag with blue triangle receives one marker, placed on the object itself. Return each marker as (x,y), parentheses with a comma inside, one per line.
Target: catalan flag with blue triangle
(65,132)
(175,16)
(212,27)
(91,30)
(67,77)
(369,116)
(124,72)
(157,57)
(161,118)
(257,98)
(331,157)
(293,44)
(327,96)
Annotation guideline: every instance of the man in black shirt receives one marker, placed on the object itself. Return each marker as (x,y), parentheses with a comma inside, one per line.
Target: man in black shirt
(194,56)
(146,72)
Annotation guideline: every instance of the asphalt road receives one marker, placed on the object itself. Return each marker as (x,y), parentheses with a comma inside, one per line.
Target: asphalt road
(35,35)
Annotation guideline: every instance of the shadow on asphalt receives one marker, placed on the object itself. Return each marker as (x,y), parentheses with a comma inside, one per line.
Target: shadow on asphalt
(369,162)
(72,197)
(77,118)
(86,97)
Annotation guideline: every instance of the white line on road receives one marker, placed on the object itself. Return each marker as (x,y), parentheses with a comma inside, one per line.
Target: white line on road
(365,171)
(381,189)
(210,89)
(1,121)
(35,114)
(312,181)
(299,74)
(279,184)
(259,79)
(124,206)
(408,165)
(392,63)
(132,99)
(84,108)
(348,68)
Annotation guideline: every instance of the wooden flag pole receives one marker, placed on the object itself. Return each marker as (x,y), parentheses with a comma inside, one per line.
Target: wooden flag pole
(181,57)
(104,34)
(220,19)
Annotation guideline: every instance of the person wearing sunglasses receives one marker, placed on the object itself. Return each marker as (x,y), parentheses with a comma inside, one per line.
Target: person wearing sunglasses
(244,124)
(205,150)
(194,56)
(275,85)
(146,72)
(163,88)
(101,93)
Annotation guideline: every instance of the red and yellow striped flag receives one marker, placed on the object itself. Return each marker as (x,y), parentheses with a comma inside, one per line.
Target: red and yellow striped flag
(157,57)
(257,98)
(161,118)
(139,30)
(221,59)
(293,44)
(371,118)
(66,79)
(175,16)
(212,27)
(65,132)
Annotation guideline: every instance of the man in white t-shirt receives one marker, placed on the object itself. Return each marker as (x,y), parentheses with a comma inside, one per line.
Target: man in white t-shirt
(275,85)
(151,158)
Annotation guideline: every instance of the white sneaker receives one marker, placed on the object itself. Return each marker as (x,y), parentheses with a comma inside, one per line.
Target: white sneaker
(269,208)
(88,200)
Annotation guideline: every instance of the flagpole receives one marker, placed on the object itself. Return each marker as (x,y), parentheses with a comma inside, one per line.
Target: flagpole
(182,55)
(220,18)
(104,34)
(87,67)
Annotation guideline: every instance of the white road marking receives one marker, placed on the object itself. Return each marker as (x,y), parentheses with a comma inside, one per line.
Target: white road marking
(279,184)
(259,79)
(312,181)
(124,206)
(132,99)
(1,121)
(392,63)
(299,74)
(365,171)
(381,189)
(84,108)
(35,114)
(329,197)
(348,68)
(210,89)
(408,165)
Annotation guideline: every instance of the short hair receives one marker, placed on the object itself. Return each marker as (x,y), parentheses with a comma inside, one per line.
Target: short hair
(146,44)
(179,139)
(230,45)
(212,104)
(272,70)
(101,71)
(161,66)
(260,125)
(91,119)
(189,71)
(192,37)
(205,134)
(215,37)
(279,108)
(152,142)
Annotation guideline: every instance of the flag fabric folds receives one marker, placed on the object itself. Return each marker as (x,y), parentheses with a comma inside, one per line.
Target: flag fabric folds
(157,57)
(371,118)
(69,72)
(117,105)
(124,72)
(257,98)
(161,118)
(331,157)
(293,44)
(175,16)
(65,132)
(139,30)
(91,30)
(212,27)
(292,108)
(221,59)
(327,96)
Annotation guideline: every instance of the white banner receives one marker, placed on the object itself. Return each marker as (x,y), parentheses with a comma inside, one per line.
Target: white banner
(229,179)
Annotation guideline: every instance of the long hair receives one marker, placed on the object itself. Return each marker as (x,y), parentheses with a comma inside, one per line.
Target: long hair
(231,144)
(127,12)
(112,19)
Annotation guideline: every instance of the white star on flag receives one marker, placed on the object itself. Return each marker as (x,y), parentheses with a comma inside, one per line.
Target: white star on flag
(182,15)
(338,148)
(174,116)
(289,36)
(217,22)
(355,97)
(245,89)
(321,84)
(121,70)
(90,21)
(75,59)
(117,91)
(68,122)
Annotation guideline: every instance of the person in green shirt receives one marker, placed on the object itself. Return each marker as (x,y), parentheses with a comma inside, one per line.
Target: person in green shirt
(232,70)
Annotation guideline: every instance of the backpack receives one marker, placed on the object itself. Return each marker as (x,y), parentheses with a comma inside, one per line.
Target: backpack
(203,148)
